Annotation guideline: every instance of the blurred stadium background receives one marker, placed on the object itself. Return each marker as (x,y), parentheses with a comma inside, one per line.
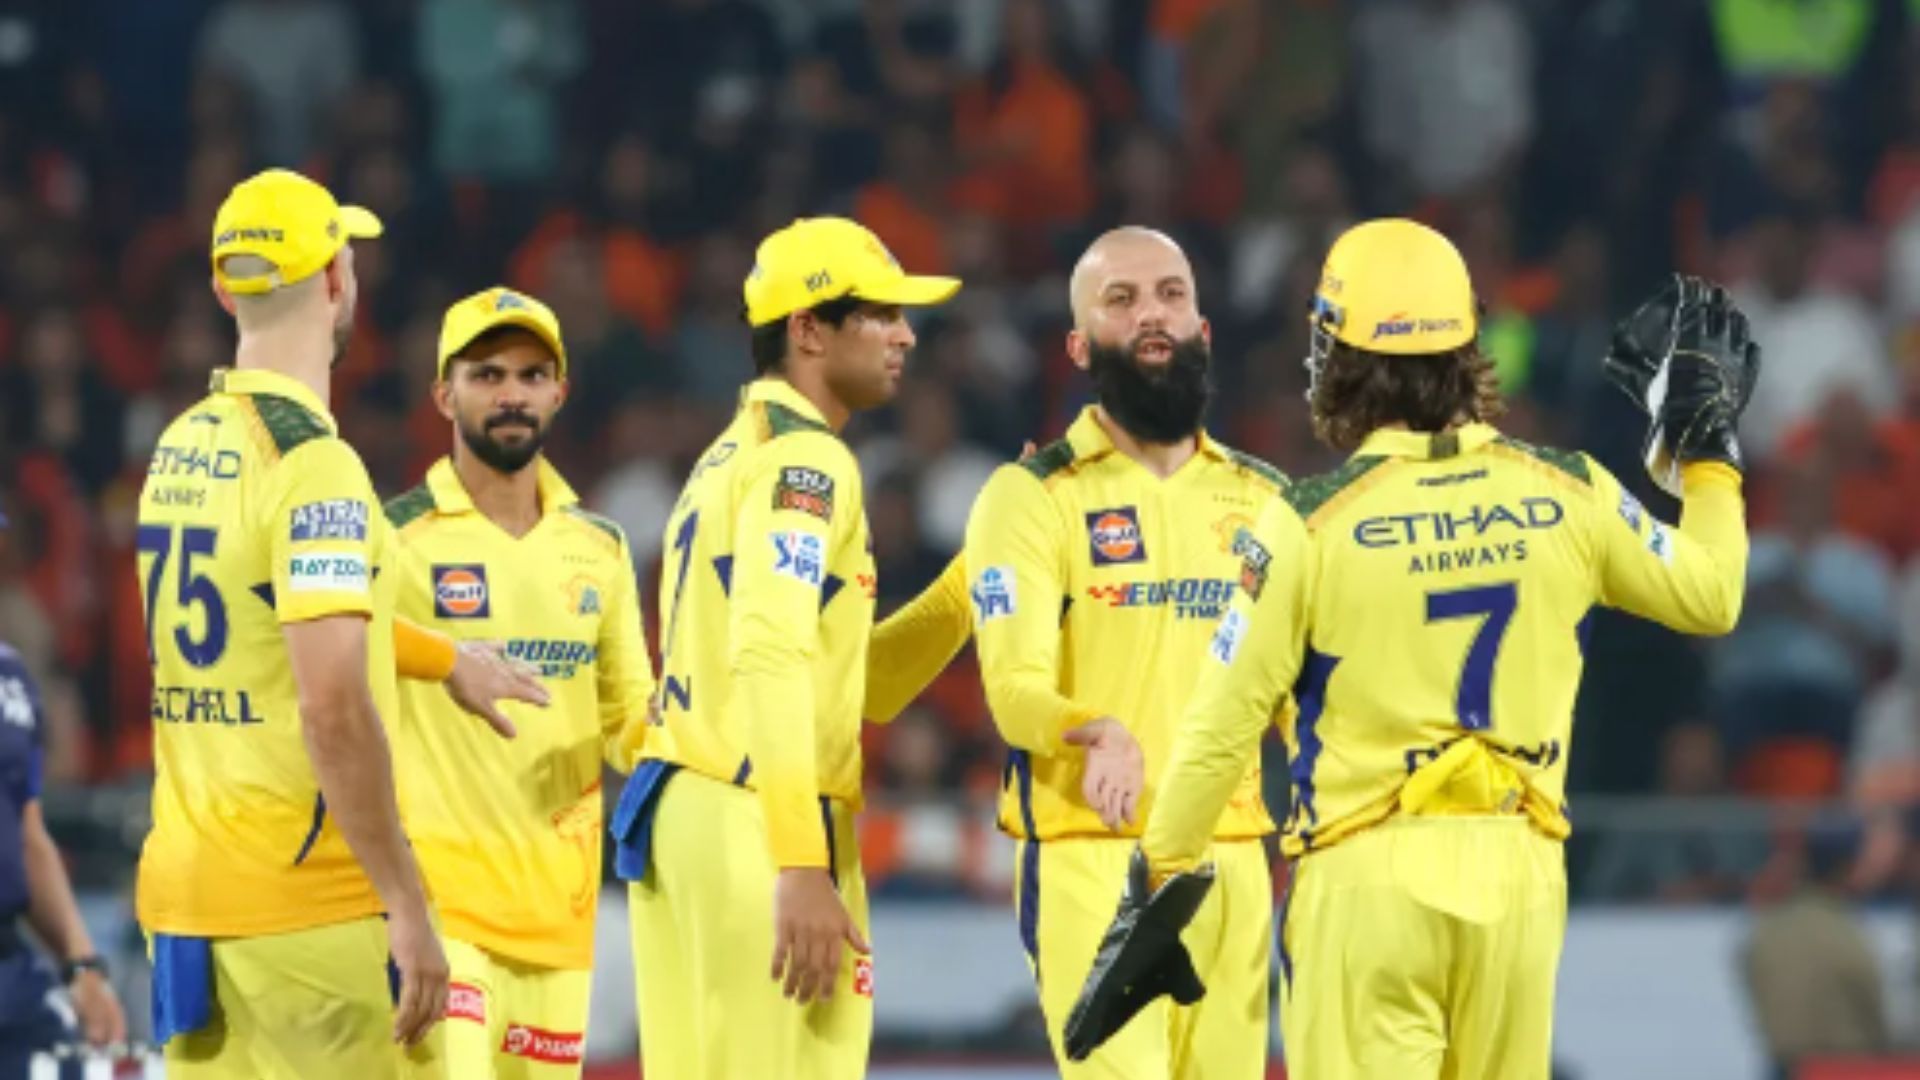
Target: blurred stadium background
(1744,866)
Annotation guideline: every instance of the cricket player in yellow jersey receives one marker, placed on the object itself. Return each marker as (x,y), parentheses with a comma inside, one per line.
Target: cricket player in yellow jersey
(276,841)
(1099,567)
(496,546)
(1419,615)
(749,910)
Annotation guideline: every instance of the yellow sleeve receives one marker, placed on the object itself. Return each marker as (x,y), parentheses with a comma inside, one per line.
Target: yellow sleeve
(1691,579)
(422,653)
(1254,658)
(914,644)
(625,670)
(320,508)
(780,548)
(1013,554)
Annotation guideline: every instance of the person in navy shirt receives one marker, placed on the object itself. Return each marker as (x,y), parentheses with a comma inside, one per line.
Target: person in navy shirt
(33,883)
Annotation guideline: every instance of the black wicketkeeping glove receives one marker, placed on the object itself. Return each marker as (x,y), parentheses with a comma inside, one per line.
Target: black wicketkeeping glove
(1644,339)
(1697,398)
(1140,958)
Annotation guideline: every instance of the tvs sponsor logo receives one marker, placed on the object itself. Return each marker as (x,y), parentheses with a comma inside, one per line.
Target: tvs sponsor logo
(466,1002)
(1115,536)
(809,491)
(551,1047)
(1191,598)
(460,591)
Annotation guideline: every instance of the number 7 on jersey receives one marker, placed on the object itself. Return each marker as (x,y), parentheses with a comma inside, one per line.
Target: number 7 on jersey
(1473,700)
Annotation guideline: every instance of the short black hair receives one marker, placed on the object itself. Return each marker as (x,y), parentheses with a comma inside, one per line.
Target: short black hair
(770,341)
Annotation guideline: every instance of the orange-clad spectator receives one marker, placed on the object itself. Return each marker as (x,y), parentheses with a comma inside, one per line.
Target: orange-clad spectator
(1025,131)
(906,207)
(643,276)
(1870,470)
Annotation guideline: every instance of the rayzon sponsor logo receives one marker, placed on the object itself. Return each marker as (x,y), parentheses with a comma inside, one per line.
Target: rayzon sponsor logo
(1500,525)
(1191,598)
(555,658)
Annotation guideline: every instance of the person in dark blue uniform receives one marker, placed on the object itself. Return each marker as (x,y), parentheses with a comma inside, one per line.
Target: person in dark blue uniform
(33,883)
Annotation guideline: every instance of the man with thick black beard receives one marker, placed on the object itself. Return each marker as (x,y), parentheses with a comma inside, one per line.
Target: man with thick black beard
(496,546)
(1098,568)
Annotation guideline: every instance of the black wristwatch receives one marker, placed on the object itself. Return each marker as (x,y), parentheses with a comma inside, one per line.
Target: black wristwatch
(71,969)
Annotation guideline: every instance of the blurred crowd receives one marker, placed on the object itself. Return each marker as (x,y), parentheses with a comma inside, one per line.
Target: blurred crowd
(620,160)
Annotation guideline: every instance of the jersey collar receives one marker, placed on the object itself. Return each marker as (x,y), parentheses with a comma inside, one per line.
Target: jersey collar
(781,392)
(450,495)
(240,381)
(1423,445)
(1089,438)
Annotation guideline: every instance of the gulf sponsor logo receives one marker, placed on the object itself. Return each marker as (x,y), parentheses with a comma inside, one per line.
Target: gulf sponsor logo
(1115,536)
(460,591)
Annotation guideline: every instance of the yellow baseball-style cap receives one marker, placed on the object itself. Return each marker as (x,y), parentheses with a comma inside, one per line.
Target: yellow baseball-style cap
(288,220)
(815,260)
(499,306)
(1396,286)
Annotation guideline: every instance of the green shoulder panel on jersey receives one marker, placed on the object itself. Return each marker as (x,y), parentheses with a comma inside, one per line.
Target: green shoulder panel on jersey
(288,422)
(1049,459)
(1257,467)
(784,421)
(404,510)
(1571,462)
(605,525)
(1309,494)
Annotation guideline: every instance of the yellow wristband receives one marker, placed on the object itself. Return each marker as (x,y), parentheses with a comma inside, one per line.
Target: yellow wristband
(420,653)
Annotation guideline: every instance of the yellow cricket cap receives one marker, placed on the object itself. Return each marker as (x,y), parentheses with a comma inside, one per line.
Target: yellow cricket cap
(815,260)
(499,306)
(287,220)
(1398,287)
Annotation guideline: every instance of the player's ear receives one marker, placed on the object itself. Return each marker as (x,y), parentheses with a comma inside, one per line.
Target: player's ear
(443,397)
(1206,330)
(565,387)
(1077,349)
(220,294)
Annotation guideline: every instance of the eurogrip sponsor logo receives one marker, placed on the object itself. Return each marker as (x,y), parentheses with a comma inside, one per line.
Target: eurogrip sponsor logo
(1190,598)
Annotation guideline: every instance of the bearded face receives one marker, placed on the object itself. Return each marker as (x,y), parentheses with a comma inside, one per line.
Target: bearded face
(1156,401)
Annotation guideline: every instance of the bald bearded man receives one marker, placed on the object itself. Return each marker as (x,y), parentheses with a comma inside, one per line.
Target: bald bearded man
(1098,568)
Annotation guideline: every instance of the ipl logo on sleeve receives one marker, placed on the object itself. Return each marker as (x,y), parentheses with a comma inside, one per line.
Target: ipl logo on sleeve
(1115,536)
(993,594)
(460,591)
(801,556)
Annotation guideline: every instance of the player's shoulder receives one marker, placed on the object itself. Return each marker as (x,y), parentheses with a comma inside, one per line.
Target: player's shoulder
(289,425)
(411,505)
(1051,463)
(1317,496)
(604,530)
(1568,468)
(1255,470)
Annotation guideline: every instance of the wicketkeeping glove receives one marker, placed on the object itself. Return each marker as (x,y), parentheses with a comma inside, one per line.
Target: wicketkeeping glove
(1694,388)
(1140,958)
(1643,340)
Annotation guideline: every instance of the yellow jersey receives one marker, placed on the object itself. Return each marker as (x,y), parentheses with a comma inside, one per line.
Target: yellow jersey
(1096,586)
(766,606)
(1421,613)
(508,831)
(254,514)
